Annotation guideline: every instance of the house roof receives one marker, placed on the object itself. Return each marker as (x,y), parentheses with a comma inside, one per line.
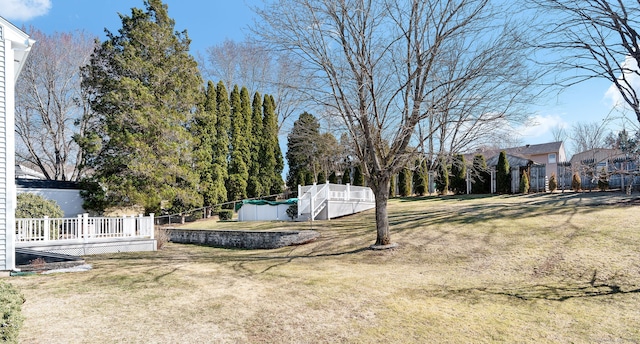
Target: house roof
(46,184)
(20,43)
(513,159)
(517,153)
(597,154)
(544,148)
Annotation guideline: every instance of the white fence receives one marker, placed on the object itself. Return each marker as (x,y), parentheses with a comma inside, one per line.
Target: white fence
(83,228)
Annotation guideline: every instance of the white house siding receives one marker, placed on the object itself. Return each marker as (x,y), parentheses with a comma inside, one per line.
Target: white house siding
(4,262)
(14,48)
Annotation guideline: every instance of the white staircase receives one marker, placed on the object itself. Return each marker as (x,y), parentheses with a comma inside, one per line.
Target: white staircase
(327,201)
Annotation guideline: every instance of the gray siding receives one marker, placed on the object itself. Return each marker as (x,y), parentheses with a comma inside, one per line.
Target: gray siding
(3,153)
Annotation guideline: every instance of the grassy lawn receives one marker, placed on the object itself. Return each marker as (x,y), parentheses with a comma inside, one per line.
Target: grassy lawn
(528,269)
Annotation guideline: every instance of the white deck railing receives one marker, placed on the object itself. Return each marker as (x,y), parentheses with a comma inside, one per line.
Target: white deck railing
(84,228)
(313,198)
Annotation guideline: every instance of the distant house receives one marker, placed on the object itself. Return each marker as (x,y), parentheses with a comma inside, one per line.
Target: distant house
(549,154)
(595,158)
(539,160)
(23,172)
(14,49)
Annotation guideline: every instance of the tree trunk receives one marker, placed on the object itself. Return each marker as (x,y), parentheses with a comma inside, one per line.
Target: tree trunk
(381,191)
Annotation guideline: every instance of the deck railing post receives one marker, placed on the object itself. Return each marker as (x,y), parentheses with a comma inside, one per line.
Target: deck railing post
(150,226)
(347,195)
(299,198)
(47,228)
(85,227)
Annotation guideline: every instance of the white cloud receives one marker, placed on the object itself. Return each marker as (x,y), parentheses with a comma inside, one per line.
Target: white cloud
(613,94)
(23,10)
(541,125)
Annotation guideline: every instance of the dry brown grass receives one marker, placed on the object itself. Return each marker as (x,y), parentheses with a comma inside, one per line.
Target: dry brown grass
(537,268)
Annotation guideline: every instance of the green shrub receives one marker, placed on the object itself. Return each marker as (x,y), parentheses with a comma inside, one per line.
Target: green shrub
(442,177)
(576,183)
(35,206)
(10,313)
(503,174)
(553,182)
(603,180)
(292,211)
(225,215)
(404,183)
(524,184)
(458,178)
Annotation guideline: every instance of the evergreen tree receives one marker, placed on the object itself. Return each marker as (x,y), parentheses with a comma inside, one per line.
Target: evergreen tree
(442,179)
(524,183)
(239,152)
(553,182)
(221,147)
(333,178)
(270,154)
(404,182)
(308,178)
(458,174)
(143,88)
(204,132)
(503,174)
(420,178)
(346,176)
(358,178)
(576,182)
(276,186)
(302,147)
(257,185)
(322,178)
(482,179)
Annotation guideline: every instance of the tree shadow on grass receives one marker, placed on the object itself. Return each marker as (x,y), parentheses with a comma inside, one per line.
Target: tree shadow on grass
(559,292)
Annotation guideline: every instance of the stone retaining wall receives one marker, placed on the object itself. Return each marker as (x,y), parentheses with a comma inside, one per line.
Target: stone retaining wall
(242,239)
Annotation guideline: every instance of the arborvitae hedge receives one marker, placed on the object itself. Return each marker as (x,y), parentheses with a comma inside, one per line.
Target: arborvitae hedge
(358,177)
(458,178)
(404,182)
(524,183)
(553,182)
(576,182)
(503,174)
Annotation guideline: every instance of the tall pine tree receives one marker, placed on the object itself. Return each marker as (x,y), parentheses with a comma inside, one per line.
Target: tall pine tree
(256,184)
(503,174)
(270,155)
(239,152)
(204,133)
(278,183)
(458,178)
(302,149)
(221,147)
(144,87)
(482,180)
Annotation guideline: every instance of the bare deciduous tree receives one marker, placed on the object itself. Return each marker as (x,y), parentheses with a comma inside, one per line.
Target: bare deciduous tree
(254,66)
(50,108)
(587,136)
(596,39)
(385,66)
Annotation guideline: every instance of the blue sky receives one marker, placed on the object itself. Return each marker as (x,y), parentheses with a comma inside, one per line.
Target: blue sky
(210,22)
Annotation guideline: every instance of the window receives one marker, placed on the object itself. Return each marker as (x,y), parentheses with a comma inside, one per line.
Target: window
(552,158)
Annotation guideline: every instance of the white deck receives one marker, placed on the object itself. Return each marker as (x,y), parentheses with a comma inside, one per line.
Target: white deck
(84,235)
(328,201)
